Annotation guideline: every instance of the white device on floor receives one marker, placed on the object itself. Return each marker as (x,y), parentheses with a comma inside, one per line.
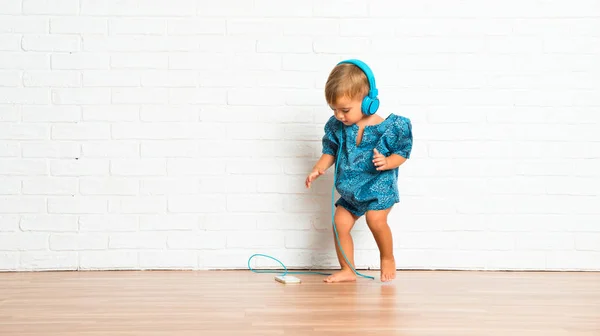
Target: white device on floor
(287,279)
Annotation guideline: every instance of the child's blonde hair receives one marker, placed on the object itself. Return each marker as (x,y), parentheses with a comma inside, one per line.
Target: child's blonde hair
(346,80)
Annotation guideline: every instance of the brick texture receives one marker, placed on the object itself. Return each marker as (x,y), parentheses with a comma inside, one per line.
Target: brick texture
(178,133)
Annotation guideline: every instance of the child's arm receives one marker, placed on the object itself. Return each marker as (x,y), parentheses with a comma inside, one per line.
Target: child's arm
(319,168)
(324,162)
(387,163)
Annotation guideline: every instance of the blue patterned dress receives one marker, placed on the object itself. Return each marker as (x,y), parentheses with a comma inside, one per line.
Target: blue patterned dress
(361,186)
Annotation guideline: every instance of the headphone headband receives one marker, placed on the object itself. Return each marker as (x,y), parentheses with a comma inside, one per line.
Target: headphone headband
(370,77)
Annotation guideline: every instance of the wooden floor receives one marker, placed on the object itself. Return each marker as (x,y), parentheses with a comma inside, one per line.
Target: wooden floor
(243,303)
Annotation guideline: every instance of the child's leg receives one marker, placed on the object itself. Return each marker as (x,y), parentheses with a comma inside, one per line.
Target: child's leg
(377,222)
(344,221)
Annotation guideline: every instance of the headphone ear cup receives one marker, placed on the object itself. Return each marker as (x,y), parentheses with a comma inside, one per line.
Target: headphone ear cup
(365,107)
(374,105)
(369,105)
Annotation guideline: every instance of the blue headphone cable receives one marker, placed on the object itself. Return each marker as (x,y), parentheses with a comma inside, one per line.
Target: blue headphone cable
(285,272)
(369,106)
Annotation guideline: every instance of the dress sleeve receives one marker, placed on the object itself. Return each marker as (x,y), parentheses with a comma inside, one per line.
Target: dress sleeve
(402,142)
(330,139)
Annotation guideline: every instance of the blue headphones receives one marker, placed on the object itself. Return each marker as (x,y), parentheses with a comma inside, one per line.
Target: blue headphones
(370,103)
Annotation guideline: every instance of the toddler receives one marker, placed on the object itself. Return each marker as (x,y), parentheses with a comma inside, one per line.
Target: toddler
(368,149)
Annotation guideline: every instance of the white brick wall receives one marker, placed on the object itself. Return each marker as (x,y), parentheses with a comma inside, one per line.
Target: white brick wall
(177,134)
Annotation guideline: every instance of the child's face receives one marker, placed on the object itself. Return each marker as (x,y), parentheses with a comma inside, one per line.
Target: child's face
(347,110)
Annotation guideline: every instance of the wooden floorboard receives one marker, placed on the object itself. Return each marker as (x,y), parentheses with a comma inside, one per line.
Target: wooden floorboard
(244,303)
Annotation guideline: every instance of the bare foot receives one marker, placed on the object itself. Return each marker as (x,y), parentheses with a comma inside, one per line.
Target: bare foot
(345,275)
(388,269)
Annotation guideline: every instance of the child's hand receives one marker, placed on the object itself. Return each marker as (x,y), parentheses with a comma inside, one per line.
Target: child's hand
(379,160)
(313,176)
